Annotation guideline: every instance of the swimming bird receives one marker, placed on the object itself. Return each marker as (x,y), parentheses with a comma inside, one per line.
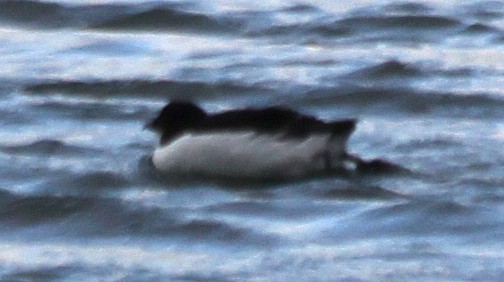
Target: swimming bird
(251,143)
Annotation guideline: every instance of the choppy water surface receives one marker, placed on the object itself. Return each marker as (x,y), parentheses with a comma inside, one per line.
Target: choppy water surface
(79,201)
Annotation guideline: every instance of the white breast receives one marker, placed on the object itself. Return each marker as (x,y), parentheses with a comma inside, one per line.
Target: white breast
(244,155)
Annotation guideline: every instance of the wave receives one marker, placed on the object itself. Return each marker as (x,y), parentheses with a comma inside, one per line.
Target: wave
(29,210)
(491,185)
(481,28)
(143,88)
(85,184)
(393,69)
(400,28)
(361,193)
(380,27)
(404,22)
(109,217)
(485,9)
(301,8)
(428,144)
(169,19)
(260,208)
(419,217)
(388,69)
(405,99)
(415,22)
(348,93)
(32,12)
(408,8)
(436,216)
(46,147)
(151,16)
(88,110)
(303,31)
(39,14)
(40,274)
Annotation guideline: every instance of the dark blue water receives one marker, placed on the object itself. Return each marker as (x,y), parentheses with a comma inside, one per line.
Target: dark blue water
(79,200)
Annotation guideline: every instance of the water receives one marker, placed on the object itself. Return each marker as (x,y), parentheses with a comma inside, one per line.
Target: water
(79,201)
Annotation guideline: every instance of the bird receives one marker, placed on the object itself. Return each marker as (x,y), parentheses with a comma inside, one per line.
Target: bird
(273,142)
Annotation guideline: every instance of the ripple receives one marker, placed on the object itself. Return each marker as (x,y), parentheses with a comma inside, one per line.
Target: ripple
(27,210)
(357,192)
(89,183)
(477,105)
(108,217)
(161,18)
(428,217)
(143,88)
(40,274)
(415,22)
(432,143)
(47,147)
(409,8)
(388,69)
(480,28)
(31,12)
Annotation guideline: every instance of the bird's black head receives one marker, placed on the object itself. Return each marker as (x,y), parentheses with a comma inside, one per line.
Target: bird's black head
(175,118)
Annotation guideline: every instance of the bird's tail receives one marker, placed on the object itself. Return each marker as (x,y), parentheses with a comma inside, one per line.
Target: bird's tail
(336,144)
(342,128)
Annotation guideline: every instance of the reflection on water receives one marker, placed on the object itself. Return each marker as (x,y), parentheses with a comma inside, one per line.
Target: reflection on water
(79,199)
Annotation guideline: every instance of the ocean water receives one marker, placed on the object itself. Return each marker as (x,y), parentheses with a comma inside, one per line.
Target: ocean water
(80,202)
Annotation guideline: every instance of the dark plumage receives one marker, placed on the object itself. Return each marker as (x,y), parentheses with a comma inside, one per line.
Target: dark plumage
(179,117)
